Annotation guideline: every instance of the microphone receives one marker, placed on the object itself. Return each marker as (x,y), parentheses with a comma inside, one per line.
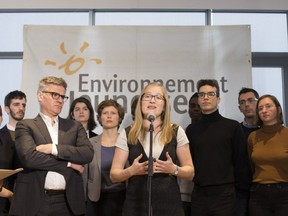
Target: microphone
(151,117)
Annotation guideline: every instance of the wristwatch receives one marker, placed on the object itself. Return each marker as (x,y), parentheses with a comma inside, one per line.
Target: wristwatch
(176,170)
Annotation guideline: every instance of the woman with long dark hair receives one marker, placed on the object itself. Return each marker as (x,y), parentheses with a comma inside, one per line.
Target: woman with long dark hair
(81,110)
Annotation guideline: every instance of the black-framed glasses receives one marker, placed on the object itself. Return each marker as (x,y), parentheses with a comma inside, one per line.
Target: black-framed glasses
(148,97)
(209,94)
(56,96)
(249,100)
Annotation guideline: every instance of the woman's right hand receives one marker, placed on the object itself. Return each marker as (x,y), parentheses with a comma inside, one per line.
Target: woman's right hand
(138,168)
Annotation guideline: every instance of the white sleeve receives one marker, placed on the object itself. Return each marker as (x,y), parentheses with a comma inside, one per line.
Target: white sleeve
(122,141)
(181,137)
(54,150)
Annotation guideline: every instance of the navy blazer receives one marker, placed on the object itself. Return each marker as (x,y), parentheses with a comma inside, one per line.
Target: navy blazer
(73,146)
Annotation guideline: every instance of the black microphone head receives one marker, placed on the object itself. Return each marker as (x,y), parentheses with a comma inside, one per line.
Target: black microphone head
(151,117)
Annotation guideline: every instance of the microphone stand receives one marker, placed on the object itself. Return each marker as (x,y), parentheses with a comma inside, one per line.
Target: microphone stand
(150,170)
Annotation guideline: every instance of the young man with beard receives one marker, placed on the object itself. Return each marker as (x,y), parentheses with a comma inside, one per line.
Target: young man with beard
(15,105)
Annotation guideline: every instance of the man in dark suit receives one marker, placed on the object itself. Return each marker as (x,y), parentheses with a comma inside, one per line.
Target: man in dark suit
(247,100)
(52,152)
(15,105)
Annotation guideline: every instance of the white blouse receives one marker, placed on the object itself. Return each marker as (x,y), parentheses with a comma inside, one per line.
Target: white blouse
(157,146)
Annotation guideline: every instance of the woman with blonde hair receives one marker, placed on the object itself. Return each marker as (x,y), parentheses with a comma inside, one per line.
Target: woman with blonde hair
(171,155)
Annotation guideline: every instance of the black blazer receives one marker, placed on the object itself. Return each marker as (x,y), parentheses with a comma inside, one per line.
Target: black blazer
(73,146)
(8,156)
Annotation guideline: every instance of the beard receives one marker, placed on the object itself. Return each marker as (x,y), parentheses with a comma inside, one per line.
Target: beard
(17,116)
(250,115)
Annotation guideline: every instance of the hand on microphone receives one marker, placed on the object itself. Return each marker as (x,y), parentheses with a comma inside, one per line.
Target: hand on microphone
(164,166)
(138,168)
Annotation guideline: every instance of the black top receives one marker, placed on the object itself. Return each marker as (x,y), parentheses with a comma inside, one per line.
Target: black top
(248,130)
(165,193)
(92,134)
(219,152)
(8,156)
(8,160)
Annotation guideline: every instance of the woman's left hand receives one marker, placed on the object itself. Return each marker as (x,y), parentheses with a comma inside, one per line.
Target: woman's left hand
(164,166)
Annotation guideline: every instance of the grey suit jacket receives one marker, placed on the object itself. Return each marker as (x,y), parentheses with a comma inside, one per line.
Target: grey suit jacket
(92,173)
(73,146)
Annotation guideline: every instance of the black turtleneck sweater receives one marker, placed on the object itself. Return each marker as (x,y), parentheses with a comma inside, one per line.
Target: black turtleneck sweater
(219,152)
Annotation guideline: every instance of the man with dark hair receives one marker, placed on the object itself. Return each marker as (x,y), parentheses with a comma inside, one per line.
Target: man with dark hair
(15,105)
(247,101)
(219,156)
(186,186)
(194,108)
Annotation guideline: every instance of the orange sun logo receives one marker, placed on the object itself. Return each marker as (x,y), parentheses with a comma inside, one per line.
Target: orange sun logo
(69,66)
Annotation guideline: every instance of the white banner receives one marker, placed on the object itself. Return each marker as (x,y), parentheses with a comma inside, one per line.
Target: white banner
(117,62)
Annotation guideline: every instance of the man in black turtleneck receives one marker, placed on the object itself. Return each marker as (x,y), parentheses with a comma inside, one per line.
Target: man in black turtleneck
(219,156)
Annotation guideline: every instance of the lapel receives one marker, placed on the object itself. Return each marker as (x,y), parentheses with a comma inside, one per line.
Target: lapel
(63,127)
(97,149)
(39,122)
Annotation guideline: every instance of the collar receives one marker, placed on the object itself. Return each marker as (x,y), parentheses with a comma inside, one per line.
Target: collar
(215,116)
(245,124)
(272,128)
(10,127)
(48,119)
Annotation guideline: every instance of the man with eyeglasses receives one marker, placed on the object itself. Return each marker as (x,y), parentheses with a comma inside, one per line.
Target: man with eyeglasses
(15,106)
(247,100)
(217,149)
(52,151)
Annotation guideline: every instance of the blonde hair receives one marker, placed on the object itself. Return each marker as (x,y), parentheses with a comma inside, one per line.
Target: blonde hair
(43,84)
(137,130)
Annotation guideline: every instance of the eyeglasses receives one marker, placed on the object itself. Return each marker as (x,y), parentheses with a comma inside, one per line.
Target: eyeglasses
(249,100)
(56,96)
(209,94)
(148,97)
(266,106)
